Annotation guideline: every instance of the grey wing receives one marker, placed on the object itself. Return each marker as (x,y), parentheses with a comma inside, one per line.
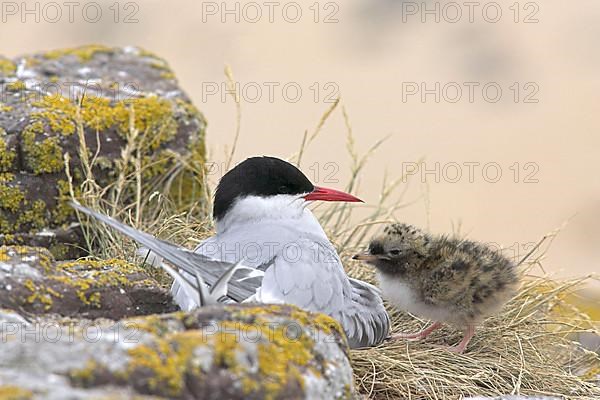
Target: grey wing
(368,322)
(309,276)
(184,259)
(316,281)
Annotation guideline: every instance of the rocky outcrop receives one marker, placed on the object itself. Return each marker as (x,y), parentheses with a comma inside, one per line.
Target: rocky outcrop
(106,329)
(234,352)
(33,283)
(123,102)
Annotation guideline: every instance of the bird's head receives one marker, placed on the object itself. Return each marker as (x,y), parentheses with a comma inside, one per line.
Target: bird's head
(268,183)
(399,248)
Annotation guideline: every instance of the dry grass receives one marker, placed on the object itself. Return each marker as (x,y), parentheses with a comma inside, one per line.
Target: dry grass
(527,349)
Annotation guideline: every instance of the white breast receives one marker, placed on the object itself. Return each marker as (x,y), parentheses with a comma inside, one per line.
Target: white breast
(401,295)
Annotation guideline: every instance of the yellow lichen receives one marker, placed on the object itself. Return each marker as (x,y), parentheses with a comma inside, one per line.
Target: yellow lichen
(16,86)
(152,115)
(8,392)
(171,358)
(7,67)
(167,75)
(31,62)
(283,358)
(58,111)
(40,294)
(34,217)
(7,156)
(4,108)
(89,276)
(41,157)
(84,376)
(84,53)
(11,197)
(154,324)
(167,360)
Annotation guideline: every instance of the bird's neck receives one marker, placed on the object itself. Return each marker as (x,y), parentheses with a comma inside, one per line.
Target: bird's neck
(280,209)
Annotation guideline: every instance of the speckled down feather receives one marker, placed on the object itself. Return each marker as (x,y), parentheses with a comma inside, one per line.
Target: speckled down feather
(445,279)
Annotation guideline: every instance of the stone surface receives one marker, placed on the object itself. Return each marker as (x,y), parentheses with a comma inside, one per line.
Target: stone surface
(233,352)
(31,282)
(42,112)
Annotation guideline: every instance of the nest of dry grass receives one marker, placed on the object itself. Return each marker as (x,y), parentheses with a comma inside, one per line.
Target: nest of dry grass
(527,349)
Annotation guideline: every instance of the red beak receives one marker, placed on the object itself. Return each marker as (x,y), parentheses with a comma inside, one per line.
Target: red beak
(326,194)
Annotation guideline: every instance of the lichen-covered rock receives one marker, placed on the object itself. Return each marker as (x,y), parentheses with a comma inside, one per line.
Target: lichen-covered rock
(32,282)
(232,352)
(121,100)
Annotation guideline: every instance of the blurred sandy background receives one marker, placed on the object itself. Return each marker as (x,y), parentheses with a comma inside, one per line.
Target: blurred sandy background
(374,50)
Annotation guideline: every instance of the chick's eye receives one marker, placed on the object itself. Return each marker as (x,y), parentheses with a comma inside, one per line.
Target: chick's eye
(395,252)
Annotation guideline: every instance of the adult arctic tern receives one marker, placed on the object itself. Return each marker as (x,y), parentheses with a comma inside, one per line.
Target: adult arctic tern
(272,249)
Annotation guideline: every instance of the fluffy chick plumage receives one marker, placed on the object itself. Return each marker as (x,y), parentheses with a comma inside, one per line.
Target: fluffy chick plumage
(448,280)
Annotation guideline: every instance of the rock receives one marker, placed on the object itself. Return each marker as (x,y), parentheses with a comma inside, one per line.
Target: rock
(33,283)
(131,96)
(233,352)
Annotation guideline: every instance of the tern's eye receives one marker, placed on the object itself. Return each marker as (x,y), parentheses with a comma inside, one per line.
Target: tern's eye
(283,189)
(395,252)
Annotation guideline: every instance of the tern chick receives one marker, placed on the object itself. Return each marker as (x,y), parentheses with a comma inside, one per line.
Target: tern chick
(447,280)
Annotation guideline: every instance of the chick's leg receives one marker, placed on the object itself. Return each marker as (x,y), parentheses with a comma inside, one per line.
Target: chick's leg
(459,348)
(419,335)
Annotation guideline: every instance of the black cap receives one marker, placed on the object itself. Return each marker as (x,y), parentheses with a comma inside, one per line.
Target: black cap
(258,176)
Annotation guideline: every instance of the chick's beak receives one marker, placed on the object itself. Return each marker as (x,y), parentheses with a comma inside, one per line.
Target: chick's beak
(366,257)
(326,194)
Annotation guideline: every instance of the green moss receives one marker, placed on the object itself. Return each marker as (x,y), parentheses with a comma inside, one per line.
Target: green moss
(7,67)
(41,157)
(84,53)
(8,392)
